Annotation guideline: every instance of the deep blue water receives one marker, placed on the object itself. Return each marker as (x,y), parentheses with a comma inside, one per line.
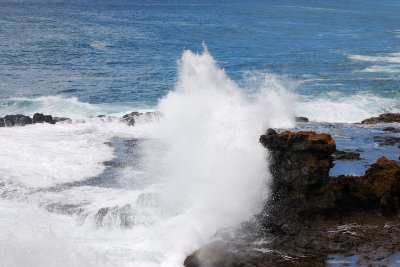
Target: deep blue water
(127,51)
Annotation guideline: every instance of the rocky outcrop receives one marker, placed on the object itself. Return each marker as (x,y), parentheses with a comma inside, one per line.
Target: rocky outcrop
(391,129)
(378,189)
(383,118)
(131,118)
(311,215)
(301,119)
(346,155)
(41,118)
(300,164)
(22,120)
(15,120)
(386,140)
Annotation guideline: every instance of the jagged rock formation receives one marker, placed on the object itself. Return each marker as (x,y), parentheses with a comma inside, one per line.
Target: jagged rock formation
(311,215)
(383,118)
(22,120)
(378,189)
(300,164)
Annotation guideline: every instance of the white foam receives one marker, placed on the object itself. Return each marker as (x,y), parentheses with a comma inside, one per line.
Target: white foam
(33,237)
(42,155)
(99,45)
(62,107)
(391,58)
(383,69)
(346,109)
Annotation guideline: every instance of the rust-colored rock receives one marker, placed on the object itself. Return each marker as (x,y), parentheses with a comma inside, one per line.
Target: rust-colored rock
(383,118)
(379,188)
(310,214)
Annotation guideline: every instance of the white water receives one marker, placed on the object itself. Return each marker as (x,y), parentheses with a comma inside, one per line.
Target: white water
(200,169)
(345,108)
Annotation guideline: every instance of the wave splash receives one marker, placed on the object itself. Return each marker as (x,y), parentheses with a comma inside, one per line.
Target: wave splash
(216,168)
(203,165)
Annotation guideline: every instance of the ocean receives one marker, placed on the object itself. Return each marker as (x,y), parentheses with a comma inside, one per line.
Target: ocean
(102,193)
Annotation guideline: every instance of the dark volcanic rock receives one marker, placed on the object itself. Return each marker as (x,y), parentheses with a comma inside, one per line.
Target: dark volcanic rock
(299,160)
(311,215)
(41,118)
(346,155)
(20,120)
(391,129)
(379,188)
(300,164)
(383,118)
(386,140)
(301,119)
(131,118)
(61,119)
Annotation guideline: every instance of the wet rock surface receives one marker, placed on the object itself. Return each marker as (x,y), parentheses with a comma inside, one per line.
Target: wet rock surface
(22,120)
(387,140)
(301,119)
(391,129)
(310,215)
(346,155)
(383,118)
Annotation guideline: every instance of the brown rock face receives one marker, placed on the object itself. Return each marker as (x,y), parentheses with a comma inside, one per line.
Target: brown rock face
(300,164)
(379,188)
(310,214)
(383,118)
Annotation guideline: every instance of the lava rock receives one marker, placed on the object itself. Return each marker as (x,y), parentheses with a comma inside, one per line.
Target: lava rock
(383,118)
(20,120)
(129,119)
(61,119)
(378,189)
(391,129)
(386,140)
(301,119)
(41,118)
(300,164)
(346,155)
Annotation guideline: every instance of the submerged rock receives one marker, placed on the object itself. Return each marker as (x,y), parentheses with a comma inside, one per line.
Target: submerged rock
(301,119)
(391,129)
(383,118)
(386,140)
(346,155)
(131,118)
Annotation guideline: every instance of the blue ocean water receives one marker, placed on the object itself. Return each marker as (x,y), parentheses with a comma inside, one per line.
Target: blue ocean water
(127,51)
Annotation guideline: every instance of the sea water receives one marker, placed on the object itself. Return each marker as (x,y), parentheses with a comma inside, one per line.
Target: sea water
(219,73)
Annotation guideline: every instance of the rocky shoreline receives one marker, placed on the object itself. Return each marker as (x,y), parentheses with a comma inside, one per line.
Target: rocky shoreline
(311,216)
(22,120)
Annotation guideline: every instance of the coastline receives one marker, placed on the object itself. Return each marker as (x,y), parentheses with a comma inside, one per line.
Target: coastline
(312,218)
